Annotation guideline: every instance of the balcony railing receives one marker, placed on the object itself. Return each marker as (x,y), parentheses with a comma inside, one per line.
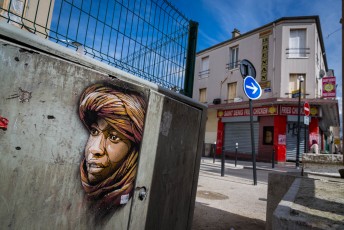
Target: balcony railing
(297,52)
(233,65)
(204,73)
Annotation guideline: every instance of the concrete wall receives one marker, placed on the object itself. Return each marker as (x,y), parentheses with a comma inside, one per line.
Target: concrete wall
(45,141)
(278,186)
(322,163)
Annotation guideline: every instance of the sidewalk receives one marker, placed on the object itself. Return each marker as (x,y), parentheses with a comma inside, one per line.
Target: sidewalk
(232,201)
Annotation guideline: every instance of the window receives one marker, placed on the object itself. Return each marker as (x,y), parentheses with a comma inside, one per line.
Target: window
(234,61)
(268,135)
(231,91)
(204,72)
(203,95)
(297,43)
(294,85)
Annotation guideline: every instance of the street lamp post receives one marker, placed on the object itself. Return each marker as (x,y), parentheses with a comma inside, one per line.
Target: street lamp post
(300,78)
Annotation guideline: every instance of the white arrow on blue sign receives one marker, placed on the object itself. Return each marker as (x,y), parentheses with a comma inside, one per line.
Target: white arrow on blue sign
(251,88)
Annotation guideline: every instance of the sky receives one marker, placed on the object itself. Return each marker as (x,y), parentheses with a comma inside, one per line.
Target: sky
(218,18)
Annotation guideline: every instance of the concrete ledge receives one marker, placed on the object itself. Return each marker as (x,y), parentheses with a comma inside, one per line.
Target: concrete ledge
(311,204)
(280,218)
(322,163)
(278,186)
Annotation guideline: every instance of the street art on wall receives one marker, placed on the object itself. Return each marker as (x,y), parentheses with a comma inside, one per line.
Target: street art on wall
(114,117)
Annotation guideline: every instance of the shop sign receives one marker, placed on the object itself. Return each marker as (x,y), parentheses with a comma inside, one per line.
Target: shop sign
(265,55)
(329,87)
(257,111)
(336,141)
(293,110)
(265,84)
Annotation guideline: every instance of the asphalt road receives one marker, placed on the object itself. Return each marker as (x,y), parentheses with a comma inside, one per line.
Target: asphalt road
(230,170)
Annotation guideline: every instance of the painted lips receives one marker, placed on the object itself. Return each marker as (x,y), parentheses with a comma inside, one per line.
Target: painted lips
(94,167)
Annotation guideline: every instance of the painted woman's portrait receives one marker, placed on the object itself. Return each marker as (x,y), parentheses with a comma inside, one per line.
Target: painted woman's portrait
(114,118)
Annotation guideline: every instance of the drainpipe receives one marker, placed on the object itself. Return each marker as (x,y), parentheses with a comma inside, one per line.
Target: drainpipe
(221,86)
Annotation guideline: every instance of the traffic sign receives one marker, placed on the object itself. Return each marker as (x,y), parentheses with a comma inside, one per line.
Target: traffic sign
(247,69)
(306,120)
(251,88)
(306,109)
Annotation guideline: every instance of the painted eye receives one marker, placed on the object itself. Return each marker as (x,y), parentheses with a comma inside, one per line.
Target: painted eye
(94,132)
(114,138)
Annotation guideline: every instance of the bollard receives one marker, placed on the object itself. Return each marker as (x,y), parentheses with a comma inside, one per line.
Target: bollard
(236,153)
(213,150)
(223,163)
(273,158)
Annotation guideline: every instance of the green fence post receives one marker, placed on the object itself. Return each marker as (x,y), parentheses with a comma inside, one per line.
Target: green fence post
(190,58)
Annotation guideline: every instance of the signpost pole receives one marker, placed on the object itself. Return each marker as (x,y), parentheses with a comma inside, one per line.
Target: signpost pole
(253,91)
(297,163)
(252,144)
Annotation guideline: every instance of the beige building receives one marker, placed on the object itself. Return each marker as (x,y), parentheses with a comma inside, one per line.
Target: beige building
(282,52)
(31,15)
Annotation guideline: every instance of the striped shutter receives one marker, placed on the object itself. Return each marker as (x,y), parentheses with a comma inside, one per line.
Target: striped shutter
(292,140)
(241,133)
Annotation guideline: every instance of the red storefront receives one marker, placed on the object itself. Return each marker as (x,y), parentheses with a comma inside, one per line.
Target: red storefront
(275,129)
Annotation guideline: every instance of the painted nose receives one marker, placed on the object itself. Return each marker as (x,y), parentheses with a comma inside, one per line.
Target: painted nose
(97,145)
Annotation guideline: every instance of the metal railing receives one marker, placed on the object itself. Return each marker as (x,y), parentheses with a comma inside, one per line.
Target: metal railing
(233,65)
(148,38)
(297,52)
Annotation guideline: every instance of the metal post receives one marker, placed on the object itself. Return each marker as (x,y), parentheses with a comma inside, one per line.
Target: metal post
(297,164)
(341,21)
(213,147)
(305,147)
(236,153)
(252,141)
(273,158)
(190,58)
(223,163)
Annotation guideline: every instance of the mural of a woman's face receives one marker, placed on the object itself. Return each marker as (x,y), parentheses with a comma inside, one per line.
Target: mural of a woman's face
(104,152)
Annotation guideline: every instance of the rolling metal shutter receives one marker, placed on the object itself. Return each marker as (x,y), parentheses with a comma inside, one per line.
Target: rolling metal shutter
(241,133)
(292,140)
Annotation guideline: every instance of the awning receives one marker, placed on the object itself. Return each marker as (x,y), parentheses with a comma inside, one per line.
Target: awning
(328,115)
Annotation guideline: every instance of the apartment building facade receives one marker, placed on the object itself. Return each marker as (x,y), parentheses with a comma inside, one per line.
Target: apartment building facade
(289,56)
(32,15)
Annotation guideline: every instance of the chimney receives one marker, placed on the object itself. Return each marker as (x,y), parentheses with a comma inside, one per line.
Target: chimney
(235,33)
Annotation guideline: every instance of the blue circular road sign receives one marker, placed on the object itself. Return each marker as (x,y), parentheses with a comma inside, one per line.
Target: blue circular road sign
(251,88)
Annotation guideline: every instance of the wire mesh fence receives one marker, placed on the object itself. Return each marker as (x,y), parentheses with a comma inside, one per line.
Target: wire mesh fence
(148,38)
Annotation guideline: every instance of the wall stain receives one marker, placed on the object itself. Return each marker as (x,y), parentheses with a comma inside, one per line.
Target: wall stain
(51,117)
(23,95)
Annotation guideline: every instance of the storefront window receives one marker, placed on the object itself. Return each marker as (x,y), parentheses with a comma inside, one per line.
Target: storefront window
(268,135)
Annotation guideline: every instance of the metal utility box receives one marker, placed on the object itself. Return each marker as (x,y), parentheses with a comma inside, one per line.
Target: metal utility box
(49,131)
